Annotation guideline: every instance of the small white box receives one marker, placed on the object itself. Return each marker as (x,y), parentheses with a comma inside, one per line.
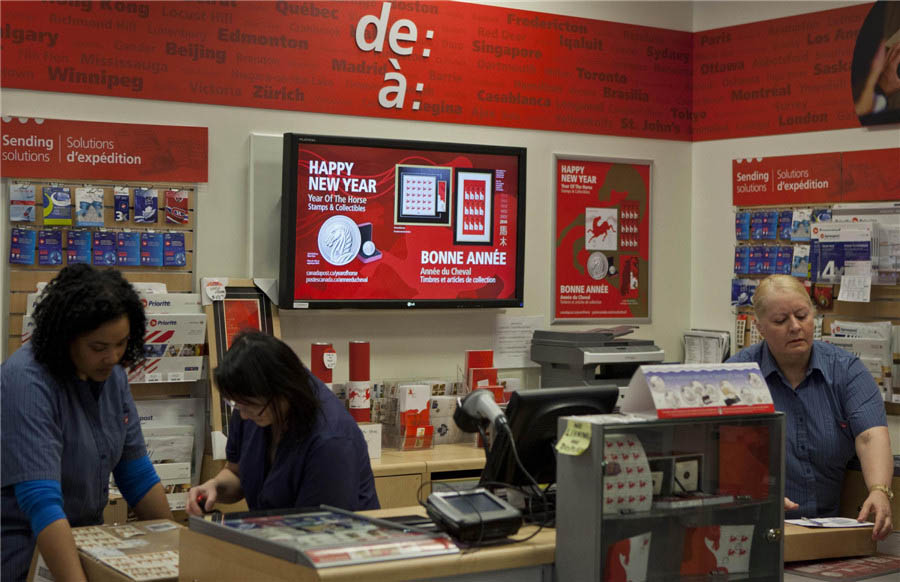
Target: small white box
(443,406)
(413,397)
(372,433)
(171,303)
(186,369)
(175,329)
(446,432)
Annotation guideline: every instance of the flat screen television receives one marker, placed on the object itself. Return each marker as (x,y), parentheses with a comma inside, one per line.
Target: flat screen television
(400,224)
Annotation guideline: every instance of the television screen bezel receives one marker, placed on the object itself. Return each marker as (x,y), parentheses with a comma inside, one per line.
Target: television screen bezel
(287,262)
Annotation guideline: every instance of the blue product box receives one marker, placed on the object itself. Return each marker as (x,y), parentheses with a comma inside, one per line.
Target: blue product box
(104,248)
(78,247)
(800,261)
(821,215)
(146,205)
(785,223)
(783,260)
(21,246)
(741,260)
(120,204)
(129,249)
(173,250)
(742,225)
(757,256)
(49,247)
(756,224)
(800,224)
(768,260)
(151,249)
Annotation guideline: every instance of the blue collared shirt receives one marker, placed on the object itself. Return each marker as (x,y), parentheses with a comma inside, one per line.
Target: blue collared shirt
(59,431)
(836,402)
(331,465)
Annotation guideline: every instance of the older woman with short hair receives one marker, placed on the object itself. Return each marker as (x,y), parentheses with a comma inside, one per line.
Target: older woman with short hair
(832,405)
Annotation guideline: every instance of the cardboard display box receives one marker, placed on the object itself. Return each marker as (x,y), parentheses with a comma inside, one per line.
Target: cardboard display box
(140,550)
(806,543)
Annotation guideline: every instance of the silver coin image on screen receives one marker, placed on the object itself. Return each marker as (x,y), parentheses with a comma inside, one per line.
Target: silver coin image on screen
(339,240)
(597,265)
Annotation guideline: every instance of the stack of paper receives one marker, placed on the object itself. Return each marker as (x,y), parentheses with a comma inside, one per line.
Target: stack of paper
(706,346)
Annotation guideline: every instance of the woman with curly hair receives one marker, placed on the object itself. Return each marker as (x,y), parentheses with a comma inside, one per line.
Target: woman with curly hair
(68,421)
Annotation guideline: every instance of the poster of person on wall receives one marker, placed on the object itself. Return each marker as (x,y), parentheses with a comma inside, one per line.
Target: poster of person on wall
(602,239)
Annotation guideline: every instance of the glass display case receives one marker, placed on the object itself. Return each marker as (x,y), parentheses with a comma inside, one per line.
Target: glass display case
(686,499)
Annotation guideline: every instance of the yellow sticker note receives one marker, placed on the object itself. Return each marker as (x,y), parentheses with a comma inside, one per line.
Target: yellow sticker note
(576,439)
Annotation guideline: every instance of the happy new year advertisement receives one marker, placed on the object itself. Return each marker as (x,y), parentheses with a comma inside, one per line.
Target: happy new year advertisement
(602,240)
(394,224)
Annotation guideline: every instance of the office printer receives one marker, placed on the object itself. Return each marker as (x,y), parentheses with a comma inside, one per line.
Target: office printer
(591,358)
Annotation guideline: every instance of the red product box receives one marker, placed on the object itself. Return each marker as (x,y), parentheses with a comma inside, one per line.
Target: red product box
(479,359)
(482,378)
(417,437)
(177,207)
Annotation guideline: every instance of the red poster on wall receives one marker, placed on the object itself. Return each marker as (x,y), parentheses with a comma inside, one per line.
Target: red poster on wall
(87,150)
(829,178)
(806,179)
(871,175)
(602,239)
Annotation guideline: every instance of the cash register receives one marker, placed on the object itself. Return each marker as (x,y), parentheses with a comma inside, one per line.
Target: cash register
(600,357)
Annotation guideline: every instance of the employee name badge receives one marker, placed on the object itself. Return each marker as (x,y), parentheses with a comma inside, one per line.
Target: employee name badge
(697,390)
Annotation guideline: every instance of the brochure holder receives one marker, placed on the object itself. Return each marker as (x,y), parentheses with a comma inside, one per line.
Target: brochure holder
(696,390)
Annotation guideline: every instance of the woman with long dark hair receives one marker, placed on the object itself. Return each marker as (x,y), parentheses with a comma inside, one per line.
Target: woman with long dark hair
(69,421)
(291,442)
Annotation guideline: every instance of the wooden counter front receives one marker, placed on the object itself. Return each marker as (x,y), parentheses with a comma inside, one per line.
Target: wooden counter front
(205,558)
(399,475)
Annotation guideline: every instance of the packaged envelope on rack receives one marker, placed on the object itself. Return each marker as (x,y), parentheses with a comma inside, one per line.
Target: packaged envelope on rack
(714,549)
(626,560)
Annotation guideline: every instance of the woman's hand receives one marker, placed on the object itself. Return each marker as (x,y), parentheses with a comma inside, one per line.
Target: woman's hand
(202,498)
(790,505)
(877,503)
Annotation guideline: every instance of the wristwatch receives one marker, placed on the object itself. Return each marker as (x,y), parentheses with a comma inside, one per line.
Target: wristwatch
(884,489)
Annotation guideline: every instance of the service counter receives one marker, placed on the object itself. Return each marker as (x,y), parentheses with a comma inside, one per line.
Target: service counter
(205,558)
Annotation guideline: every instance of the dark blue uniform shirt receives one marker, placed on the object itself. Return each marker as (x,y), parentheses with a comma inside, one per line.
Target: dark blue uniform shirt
(60,431)
(330,465)
(836,402)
